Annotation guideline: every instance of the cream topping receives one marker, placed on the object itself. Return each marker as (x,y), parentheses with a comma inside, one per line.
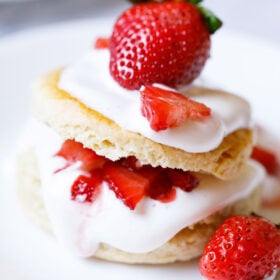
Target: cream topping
(89,80)
(271,186)
(81,227)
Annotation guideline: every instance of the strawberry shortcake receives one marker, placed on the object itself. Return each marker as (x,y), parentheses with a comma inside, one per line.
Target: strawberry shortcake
(131,162)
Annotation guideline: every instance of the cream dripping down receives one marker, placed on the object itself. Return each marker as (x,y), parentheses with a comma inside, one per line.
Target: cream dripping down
(89,80)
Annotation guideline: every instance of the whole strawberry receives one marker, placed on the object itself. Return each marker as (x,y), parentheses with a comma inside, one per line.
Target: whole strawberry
(165,43)
(243,248)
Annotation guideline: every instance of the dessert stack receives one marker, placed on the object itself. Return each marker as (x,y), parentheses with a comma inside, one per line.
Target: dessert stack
(131,162)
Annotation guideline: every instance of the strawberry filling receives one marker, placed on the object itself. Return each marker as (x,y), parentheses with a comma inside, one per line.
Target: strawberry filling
(126,177)
(73,151)
(267,158)
(86,188)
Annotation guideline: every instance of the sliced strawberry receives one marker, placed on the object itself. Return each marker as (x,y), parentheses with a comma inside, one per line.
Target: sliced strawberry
(70,150)
(184,180)
(168,196)
(160,183)
(129,186)
(130,180)
(130,162)
(267,158)
(162,189)
(86,188)
(102,43)
(167,109)
(91,160)
(73,151)
(151,173)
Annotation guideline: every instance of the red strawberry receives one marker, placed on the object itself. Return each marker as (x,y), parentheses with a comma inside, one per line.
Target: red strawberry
(130,180)
(163,182)
(266,158)
(164,43)
(166,109)
(184,180)
(130,162)
(85,188)
(102,43)
(243,248)
(127,185)
(73,151)
(161,187)
(161,193)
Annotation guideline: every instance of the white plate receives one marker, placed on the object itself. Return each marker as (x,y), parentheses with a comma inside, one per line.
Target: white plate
(242,65)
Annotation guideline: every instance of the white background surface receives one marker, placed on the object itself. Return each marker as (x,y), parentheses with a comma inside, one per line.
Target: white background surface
(239,63)
(257,17)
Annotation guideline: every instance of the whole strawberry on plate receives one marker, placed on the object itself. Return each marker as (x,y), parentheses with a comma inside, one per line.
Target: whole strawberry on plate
(165,42)
(243,248)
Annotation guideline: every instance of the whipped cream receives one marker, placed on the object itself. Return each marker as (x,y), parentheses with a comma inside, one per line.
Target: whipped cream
(81,227)
(89,80)
(271,186)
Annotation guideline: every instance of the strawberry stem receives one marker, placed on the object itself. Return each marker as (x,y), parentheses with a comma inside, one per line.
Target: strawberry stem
(213,22)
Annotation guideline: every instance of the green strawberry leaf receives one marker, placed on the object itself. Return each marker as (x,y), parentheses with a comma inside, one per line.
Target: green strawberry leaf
(213,22)
(195,2)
